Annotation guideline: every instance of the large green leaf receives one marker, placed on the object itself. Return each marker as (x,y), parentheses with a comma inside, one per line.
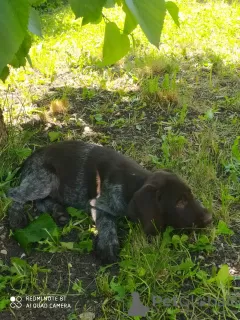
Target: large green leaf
(173,10)
(34,24)
(13,28)
(130,22)
(4,73)
(42,228)
(90,10)
(150,15)
(116,45)
(19,58)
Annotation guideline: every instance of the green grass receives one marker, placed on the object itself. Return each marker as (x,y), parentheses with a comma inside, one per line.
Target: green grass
(177,107)
(162,269)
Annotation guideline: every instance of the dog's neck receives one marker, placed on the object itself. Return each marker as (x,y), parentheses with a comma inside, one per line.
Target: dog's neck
(133,183)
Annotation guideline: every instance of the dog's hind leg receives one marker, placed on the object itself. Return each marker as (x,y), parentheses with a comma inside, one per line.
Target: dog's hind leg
(36,185)
(57,211)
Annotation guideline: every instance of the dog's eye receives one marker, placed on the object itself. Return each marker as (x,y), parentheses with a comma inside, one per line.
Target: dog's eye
(181,203)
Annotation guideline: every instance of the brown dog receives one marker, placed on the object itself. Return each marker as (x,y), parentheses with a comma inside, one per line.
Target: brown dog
(107,184)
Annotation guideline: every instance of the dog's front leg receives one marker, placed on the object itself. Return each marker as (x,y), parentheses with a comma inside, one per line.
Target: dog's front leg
(107,245)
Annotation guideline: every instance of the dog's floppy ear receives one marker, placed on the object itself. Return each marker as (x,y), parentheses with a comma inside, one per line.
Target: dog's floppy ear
(144,207)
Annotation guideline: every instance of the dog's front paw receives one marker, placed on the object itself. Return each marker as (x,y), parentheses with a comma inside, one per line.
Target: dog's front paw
(61,217)
(17,219)
(107,250)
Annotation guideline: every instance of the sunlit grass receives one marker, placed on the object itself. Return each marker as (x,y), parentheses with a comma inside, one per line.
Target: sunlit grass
(207,36)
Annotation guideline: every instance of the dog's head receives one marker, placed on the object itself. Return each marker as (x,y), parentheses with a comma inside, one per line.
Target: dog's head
(165,200)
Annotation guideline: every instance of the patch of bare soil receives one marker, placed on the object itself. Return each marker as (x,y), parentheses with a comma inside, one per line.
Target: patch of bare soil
(66,268)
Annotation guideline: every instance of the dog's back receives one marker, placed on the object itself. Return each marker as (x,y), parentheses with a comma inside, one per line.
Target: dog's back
(75,163)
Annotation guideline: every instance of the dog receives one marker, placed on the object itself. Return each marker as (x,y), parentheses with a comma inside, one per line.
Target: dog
(107,185)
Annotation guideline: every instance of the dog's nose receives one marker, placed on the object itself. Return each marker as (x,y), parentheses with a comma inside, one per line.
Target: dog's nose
(207,219)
